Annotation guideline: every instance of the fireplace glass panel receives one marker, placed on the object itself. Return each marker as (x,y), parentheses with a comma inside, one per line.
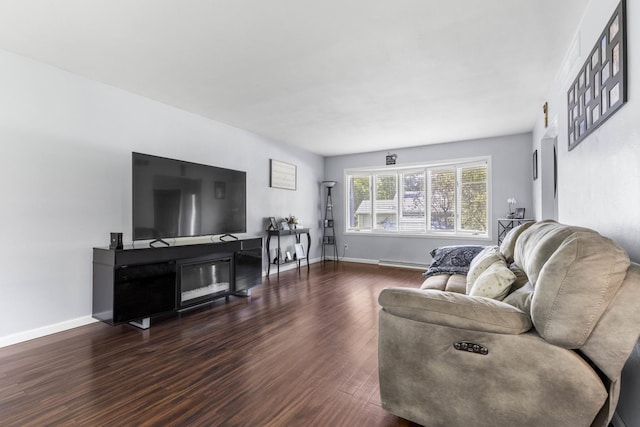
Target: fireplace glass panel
(202,280)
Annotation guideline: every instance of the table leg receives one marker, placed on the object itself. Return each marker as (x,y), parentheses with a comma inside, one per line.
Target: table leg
(308,247)
(268,255)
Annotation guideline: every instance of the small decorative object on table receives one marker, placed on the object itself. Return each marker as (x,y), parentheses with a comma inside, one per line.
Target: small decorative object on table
(273,224)
(293,222)
(519,213)
(300,253)
(511,201)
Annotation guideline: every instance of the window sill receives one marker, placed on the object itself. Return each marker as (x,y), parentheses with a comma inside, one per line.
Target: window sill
(453,236)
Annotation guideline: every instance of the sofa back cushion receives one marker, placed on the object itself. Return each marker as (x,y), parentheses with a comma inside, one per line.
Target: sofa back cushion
(508,245)
(575,273)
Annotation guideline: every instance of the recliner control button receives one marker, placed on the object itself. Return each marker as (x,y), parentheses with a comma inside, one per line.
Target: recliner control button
(471,347)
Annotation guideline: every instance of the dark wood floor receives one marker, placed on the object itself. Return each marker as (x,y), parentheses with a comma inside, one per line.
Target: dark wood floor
(301,351)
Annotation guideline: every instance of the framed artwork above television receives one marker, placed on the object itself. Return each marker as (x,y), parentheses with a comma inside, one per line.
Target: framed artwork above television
(282,175)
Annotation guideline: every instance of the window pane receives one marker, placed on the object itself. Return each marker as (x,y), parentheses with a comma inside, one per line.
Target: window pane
(359,203)
(413,202)
(473,198)
(442,209)
(386,205)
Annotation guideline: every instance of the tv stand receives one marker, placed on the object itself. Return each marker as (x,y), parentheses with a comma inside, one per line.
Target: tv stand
(134,285)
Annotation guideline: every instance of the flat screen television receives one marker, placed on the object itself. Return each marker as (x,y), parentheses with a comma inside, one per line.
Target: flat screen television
(174,198)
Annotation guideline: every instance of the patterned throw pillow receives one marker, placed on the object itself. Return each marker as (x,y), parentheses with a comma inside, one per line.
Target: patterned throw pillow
(494,282)
(481,262)
(452,259)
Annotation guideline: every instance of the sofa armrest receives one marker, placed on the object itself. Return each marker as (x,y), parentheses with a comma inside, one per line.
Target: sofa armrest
(454,310)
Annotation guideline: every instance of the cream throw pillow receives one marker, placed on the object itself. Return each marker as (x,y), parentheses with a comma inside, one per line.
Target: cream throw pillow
(481,262)
(494,282)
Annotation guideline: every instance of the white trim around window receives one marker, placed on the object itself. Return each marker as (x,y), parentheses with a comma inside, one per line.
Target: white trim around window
(450,199)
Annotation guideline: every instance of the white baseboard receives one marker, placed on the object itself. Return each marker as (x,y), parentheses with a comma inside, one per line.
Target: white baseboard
(386,263)
(45,330)
(360,260)
(289,266)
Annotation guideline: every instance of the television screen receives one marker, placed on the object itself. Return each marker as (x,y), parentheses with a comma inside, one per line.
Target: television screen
(174,198)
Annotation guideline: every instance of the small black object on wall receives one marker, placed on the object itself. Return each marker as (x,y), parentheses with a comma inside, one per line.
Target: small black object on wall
(116,241)
(391,159)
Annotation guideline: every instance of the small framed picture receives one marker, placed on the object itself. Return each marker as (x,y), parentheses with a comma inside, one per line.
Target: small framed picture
(282,175)
(615,59)
(604,75)
(613,29)
(519,213)
(273,224)
(614,95)
(300,253)
(535,165)
(596,113)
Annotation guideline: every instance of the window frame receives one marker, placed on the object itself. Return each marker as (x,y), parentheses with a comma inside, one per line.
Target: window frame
(456,164)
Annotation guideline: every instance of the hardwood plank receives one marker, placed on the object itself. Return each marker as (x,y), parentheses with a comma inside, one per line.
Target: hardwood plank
(302,350)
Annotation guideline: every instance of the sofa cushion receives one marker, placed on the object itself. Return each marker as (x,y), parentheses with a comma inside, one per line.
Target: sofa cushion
(575,273)
(537,243)
(508,245)
(481,262)
(446,282)
(521,278)
(521,298)
(494,282)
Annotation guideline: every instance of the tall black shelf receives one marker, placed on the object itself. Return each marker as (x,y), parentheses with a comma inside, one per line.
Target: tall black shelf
(328,235)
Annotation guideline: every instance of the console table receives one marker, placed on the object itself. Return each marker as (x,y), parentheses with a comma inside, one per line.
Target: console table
(279,233)
(507,224)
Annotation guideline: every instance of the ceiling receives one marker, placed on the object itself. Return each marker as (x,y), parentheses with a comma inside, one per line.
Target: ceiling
(333,77)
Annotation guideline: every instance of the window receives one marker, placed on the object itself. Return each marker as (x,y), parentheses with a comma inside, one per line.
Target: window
(451,198)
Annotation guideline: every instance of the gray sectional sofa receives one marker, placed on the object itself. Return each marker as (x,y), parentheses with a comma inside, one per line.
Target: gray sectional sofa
(535,334)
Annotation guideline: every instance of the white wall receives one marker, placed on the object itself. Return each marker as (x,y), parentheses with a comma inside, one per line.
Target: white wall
(511,173)
(599,180)
(65,182)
